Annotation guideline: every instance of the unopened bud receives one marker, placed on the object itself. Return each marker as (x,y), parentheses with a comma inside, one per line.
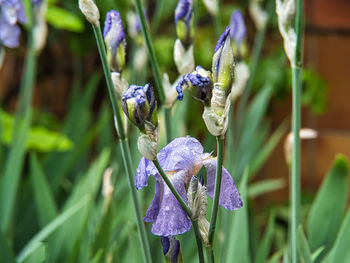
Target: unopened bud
(184,59)
(184,21)
(114,36)
(90,11)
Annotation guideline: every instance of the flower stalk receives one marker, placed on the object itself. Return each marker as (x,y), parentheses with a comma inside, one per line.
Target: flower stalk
(185,207)
(124,146)
(296,120)
(214,212)
(155,67)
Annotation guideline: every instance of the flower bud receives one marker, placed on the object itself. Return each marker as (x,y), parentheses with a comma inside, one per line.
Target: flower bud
(184,21)
(90,11)
(140,106)
(171,249)
(258,15)
(183,58)
(237,32)
(223,63)
(115,40)
(199,84)
(119,83)
(242,75)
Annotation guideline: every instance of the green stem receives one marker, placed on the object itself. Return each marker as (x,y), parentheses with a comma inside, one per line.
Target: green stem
(167,115)
(217,22)
(154,65)
(214,213)
(16,155)
(210,254)
(124,147)
(184,207)
(296,120)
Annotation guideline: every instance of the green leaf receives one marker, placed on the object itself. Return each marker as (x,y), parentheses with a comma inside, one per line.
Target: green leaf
(268,147)
(51,227)
(329,206)
(44,198)
(39,138)
(89,184)
(340,251)
(303,246)
(265,186)
(265,244)
(238,240)
(11,177)
(5,251)
(62,19)
(36,254)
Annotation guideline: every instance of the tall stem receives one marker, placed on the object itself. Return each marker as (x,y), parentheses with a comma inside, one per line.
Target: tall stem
(124,146)
(214,213)
(296,120)
(154,64)
(185,207)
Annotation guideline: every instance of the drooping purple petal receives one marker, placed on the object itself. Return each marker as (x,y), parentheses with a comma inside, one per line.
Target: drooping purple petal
(238,29)
(229,196)
(153,209)
(143,171)
(172,219)
(9,34)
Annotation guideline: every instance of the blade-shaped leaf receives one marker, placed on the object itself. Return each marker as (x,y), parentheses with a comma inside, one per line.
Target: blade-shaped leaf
(328,208)
(10,179)
(265,186)
(265,244)
(340,251)
(303,246)
(51,227)
(5,251)
(36,254)
(238,240)
(44,199)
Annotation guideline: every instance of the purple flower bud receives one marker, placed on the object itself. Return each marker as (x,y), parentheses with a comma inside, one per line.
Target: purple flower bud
(171,249)
(114,36)
(139,105)
(184,21)
(238,29)
(11,12)
(199,84)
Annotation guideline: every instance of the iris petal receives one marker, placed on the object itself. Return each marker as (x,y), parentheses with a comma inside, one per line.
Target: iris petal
(172,219)
(229,196)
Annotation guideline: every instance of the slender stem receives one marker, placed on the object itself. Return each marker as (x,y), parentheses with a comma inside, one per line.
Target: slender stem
(154,64)
(167,116)
(16,155)
(217,22)
(185,207)
(296,120)
(220,151)
(124,146)
(210,254)
(198,240)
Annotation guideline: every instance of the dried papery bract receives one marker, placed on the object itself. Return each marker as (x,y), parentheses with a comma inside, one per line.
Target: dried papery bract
(286,11)
(304,133)
(90,11)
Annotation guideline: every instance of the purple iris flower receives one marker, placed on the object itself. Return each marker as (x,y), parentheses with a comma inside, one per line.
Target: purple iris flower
(238,29)
(11,12)
(181,160)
